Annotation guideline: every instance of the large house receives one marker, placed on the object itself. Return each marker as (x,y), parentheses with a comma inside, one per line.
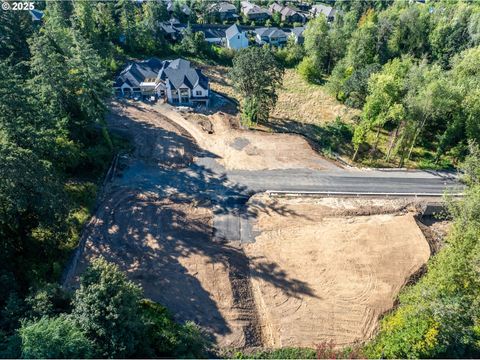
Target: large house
(224,10)
(254,12)
(213,34)
(287,13)
(324,10)
(235,38)
(175,81)
(270,35)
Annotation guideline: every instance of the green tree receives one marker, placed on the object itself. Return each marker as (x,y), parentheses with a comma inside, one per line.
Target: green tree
(450,34)
(126,14)
(463,124)
(55,338)
(256,76)
(15,28)
(411,27)
(318,49)
(438,317)
(83,11)
(384,104)
(106,307)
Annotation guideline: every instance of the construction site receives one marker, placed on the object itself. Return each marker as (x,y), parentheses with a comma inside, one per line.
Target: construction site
(189,216)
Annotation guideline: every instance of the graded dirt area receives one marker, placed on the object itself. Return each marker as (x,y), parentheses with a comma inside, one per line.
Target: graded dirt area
(239,149)
(350,258)
(318,269)
(166,246)
(155,223)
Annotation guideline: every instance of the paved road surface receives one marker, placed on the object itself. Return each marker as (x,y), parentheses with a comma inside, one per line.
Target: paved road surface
(229,190)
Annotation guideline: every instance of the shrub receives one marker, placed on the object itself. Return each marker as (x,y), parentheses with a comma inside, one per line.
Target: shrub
(55,338)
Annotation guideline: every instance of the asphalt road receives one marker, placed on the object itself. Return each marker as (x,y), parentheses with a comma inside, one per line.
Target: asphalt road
(339,180)
(228,191)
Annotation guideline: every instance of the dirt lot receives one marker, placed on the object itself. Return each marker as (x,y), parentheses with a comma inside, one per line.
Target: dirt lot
(239,149)
(166,246)
(320,269)
(158,228)
(350,258)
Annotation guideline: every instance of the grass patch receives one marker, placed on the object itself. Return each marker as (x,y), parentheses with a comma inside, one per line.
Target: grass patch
(308,103)
(298,100)
(284,353)
(422,157)
(82,196)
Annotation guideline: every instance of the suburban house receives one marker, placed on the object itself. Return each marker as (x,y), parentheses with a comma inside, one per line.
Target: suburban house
(275,8)
(214,34)
(254,12)
(288,14)
(172,29)
(224,10)
(291,15)
(324,10)
(235,38)
(175,81)
(297,34)
(270,35)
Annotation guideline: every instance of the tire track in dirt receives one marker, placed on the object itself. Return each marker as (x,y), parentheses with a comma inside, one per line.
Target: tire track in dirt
(157,228)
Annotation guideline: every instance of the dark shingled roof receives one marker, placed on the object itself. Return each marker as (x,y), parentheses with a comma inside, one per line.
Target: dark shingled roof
(137,72)
(177,72)
(271,32)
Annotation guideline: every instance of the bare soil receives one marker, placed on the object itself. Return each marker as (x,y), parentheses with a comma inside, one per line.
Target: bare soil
(320,269)
(239,149)
(350,258)
(166,246)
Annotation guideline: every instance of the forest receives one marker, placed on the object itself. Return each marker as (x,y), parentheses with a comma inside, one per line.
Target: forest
(412,70)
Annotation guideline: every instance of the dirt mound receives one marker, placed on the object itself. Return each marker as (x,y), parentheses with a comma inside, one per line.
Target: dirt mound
(351,267)
(254,150)
(156,138)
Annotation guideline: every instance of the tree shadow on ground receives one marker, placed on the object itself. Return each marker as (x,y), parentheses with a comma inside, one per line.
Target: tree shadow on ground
(330,137)
(156,223)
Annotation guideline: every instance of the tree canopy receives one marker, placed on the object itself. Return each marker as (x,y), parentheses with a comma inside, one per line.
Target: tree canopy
(256,75)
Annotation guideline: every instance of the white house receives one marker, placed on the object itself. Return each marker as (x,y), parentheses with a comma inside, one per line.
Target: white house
(235,38)
(175,81)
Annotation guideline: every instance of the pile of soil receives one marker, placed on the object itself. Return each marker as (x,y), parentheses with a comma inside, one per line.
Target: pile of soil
(241,149)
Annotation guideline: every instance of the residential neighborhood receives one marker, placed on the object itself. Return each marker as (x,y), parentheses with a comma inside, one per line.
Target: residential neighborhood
(240,179)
